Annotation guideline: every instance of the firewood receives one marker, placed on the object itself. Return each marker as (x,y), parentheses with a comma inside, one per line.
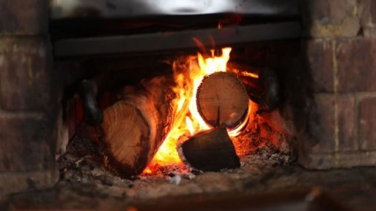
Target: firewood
(92,114)
(222,99)
(265,89)
(135,126)
(271,97)
(210,150)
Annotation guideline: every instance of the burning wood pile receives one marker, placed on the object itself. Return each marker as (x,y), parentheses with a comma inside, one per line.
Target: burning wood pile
(190,120)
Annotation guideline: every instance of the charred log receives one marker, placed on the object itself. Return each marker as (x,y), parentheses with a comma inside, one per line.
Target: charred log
(135,126)
(262,85)
(271,95)
(210,151)
(222,99)
(88,92)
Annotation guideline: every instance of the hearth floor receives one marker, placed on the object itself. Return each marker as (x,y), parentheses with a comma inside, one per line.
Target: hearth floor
(353,188)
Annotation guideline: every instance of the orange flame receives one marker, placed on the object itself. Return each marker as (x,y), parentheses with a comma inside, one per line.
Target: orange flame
(187,120)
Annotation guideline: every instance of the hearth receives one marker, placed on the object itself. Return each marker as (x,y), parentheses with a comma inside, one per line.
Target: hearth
(189,102)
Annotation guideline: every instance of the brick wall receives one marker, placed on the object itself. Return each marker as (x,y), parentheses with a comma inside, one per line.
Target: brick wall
(339,118)
(341,55)
(28,103)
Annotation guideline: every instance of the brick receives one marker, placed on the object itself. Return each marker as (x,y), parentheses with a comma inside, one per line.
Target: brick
(367,126)
(367,13)
(320,55)
(23,17)
(367,16)
(322,124)
(27,142)
(369,32)
(356,65)
(330,12)
(346,123)
(25,81)
(334,18)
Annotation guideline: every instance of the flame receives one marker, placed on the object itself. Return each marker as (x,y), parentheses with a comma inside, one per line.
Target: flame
(187,120)
(246,74)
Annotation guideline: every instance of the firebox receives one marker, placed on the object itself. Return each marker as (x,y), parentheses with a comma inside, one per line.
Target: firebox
(200,115)
(186,104)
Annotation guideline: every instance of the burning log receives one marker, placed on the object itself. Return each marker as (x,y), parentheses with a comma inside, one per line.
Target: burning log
(222,99)
(262,85)
(211,150)
(135,126)
(271,97)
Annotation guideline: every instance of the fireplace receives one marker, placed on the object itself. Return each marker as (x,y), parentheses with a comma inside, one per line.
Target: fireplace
(72,92)
(205,101)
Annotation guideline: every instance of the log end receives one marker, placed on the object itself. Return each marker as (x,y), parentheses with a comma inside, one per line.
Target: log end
(222,100)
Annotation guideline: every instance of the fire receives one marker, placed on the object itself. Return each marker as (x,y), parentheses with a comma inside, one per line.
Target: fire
(187,120)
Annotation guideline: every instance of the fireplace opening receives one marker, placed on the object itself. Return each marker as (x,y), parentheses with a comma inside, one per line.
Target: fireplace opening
(218,111)
(202,96)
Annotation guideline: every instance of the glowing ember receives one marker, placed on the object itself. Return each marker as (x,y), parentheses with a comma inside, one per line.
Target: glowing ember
(187,120)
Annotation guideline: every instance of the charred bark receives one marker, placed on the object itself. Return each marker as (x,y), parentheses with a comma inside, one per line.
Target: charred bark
(211,150)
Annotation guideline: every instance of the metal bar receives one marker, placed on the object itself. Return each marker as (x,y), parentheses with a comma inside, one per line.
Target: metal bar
(229,36)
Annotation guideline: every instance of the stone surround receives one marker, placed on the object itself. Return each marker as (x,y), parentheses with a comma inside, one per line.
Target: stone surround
(341,49)
(28,103)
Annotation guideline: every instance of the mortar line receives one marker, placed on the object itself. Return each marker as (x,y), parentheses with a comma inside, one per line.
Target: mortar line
(335,88)
(357,121)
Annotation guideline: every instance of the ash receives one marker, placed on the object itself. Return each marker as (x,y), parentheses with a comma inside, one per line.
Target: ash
(80,165)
